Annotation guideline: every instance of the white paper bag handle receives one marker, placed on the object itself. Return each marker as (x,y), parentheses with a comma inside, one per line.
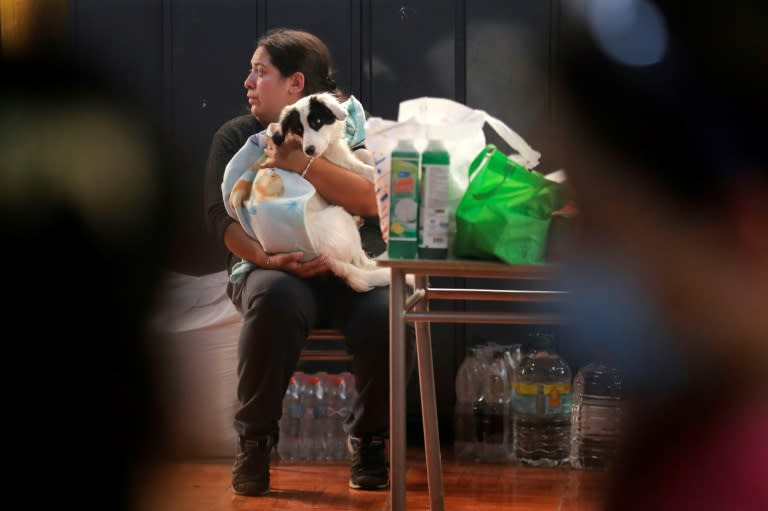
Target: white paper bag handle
(527,156)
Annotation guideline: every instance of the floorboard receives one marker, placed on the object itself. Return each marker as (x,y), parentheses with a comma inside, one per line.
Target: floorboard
(204,485)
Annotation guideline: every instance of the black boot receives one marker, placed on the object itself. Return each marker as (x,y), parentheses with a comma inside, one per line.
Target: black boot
(250,475)
(369,463)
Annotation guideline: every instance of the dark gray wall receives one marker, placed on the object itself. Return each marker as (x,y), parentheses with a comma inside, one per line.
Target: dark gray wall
(186,60)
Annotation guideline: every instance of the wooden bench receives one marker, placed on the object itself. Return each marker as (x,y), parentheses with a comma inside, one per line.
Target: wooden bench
(314,351)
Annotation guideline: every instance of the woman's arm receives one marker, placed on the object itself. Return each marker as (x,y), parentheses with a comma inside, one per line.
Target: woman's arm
(239,243)
(343,187)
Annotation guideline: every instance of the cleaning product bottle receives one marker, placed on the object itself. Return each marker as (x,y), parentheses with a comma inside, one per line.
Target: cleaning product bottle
(433,203)
(404,201)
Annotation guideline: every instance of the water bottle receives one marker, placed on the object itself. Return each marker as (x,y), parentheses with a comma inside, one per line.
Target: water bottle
(289,446)
(493,407)
(337,411)
(312,434)
(433,203)
(513,355)
(596,419)
(404,201)
(468,391)
(349,382)
(542,406)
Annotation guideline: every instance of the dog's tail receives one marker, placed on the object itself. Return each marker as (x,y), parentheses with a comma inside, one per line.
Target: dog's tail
(360,279)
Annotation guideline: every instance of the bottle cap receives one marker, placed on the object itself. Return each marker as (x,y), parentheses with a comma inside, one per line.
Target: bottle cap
(542,341)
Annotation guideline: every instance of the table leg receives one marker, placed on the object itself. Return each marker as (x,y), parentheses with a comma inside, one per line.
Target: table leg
(397,402)
(429,404)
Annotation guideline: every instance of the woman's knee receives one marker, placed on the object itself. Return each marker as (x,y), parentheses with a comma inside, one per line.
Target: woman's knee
(279,296)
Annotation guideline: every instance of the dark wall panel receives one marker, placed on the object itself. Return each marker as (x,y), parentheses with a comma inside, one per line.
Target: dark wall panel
(209,52)
(508,63)
(411,52)
(336,22)
(124,41)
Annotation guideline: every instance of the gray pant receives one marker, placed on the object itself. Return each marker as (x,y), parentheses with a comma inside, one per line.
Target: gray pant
(279,310)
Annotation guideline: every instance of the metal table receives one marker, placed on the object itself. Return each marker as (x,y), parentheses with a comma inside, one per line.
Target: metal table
(414,307)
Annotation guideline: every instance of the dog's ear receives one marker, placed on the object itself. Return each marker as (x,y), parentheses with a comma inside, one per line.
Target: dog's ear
(333,105)
(290,122)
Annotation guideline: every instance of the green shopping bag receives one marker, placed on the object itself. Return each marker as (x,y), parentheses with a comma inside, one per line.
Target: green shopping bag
(505,211)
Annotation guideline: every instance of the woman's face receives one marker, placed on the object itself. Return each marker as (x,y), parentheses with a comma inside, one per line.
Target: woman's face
(268,90)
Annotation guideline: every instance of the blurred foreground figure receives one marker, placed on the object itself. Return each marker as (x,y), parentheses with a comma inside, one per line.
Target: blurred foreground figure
(84,232)
(664,144)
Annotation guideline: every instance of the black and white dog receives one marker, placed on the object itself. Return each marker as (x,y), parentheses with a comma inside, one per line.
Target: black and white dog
(319,119)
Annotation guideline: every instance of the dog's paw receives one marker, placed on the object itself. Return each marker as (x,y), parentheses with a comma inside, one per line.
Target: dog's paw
(359,286)
(364,170)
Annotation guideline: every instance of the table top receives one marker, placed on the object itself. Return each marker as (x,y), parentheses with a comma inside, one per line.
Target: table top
(471,268)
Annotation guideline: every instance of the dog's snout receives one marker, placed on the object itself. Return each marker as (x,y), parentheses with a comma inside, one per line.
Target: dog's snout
(309,150)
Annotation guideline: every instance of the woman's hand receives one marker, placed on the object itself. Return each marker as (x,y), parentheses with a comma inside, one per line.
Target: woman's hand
(288,156)
(291,262)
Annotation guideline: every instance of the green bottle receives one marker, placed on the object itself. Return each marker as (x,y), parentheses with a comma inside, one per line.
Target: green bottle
(433,203)
(403,201)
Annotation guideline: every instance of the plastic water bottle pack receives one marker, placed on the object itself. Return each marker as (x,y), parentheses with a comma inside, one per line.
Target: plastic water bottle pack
(314,409)
(483,414)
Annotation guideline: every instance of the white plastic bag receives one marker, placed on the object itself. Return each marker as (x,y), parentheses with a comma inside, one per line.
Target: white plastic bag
(461,130)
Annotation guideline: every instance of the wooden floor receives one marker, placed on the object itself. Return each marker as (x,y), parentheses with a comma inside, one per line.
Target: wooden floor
(204,485)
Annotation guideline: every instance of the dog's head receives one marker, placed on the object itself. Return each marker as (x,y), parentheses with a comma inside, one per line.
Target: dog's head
(316,118)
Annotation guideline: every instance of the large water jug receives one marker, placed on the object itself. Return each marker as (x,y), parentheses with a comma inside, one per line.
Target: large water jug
(542,406)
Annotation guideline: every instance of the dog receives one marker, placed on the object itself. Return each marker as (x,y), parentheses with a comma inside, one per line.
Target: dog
(319,119)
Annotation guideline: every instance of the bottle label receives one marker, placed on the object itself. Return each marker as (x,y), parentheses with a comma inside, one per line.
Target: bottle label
(296,411)
(433,224)
(542,399)
(319,411)
(404,205)
(405,199)
(341,412)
